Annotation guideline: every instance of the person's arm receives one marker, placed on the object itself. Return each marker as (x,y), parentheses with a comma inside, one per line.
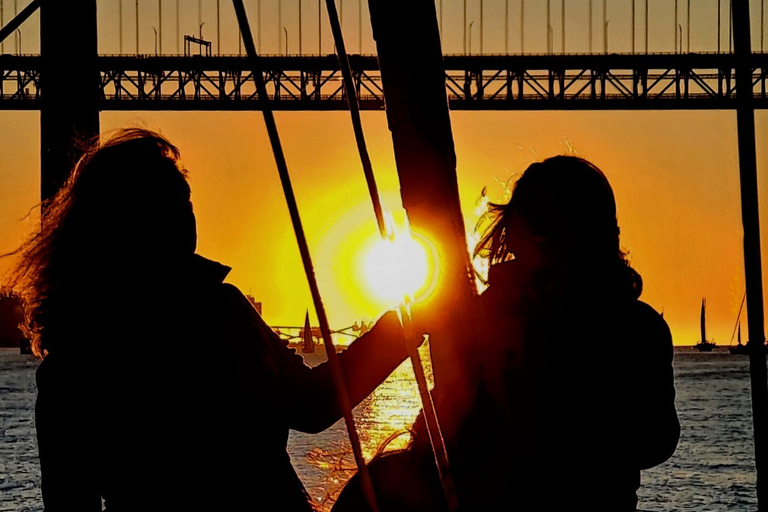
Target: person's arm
(655,422)
(365,364)
(368,361)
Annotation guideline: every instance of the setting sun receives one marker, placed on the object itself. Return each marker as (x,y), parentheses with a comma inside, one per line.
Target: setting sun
(397,267)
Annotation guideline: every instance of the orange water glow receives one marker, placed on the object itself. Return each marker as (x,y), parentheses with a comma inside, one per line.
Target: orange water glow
(393,408)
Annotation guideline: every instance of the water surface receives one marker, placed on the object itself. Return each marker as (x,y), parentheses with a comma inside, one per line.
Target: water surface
(712,469)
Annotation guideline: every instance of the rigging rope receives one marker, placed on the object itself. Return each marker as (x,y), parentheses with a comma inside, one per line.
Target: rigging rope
(738,317)
(428,406)
(282,167)
(354,112)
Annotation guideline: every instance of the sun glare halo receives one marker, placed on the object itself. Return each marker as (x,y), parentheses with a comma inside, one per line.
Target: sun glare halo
(397,267)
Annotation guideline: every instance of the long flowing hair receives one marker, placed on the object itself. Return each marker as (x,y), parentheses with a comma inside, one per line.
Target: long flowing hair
(123,212)
(569,200)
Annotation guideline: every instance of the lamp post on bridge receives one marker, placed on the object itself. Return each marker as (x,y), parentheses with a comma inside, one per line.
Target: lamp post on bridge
(675,27)
(633,26)
(218,27)
(470,36)
(481,27)
(591,38)
(464,26)
(605,26)
(300,52)
(360,27)
(279,24)
(688,27)
(522,26)
(549,27)
(562,26)
(159,26)
(506,25)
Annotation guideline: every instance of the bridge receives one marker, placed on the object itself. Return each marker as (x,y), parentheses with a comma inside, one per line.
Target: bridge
(473,82)
(556,55)
(73,78)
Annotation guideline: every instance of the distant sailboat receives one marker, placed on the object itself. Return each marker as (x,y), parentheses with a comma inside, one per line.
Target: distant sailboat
(740,348)
(704,345)
(306,334)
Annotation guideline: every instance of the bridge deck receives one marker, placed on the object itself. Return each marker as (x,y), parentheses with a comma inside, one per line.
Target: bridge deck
(480,82)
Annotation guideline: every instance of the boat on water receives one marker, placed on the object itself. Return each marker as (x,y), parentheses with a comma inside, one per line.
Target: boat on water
(704,345)
(11,318)
(740,348)
(308,345)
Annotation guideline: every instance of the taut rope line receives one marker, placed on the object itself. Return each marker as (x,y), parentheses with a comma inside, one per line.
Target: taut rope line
(354,112)
(738,317)
(428,406)
(282,167)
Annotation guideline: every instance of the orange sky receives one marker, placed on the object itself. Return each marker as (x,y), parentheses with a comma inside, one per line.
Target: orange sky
(675,175)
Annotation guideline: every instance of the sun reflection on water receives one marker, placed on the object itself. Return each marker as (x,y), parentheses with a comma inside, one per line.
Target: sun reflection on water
(325,461)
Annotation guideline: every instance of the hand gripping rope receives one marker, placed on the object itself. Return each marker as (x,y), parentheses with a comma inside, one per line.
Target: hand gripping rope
(428,406)
(433,427)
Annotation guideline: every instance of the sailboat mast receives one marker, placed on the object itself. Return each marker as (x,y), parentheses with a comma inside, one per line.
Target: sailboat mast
(703,320)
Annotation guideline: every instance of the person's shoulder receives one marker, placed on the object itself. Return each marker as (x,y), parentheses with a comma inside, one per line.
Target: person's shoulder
(649,323)
(230,290)
(504,285)
(645,311)
(207,269)
(228,294)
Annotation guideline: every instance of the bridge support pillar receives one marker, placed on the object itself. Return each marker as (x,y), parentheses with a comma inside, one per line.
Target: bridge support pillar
(70,84)
(745,121)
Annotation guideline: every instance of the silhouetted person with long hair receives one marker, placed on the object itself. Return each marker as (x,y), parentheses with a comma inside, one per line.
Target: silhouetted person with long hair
(161,387)
(568,389)
(574,365)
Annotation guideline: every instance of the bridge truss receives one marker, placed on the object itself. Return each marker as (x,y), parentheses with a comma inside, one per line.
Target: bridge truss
(483,82)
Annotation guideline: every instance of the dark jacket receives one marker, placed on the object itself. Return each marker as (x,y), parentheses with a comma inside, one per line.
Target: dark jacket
(184,399)
(577,396)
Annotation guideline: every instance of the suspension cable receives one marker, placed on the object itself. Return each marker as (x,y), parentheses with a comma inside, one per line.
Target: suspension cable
(282,167)
(738,317)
